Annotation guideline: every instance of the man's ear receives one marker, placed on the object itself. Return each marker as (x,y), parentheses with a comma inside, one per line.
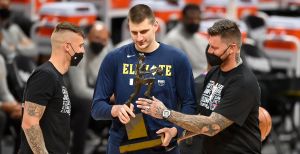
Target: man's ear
(67,47)
(156,25)
(232,48)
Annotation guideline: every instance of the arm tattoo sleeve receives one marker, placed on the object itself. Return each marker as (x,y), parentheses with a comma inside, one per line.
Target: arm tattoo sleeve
(199,124)
(34,134)
(35,139)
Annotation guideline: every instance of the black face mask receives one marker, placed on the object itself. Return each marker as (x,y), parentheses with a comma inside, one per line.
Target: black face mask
(191,28)
(4,13)
(214,60)
(96,47)
(76,58)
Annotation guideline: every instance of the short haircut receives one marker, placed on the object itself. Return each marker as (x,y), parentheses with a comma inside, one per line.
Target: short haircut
(66,26)
(228,30)
(190,7)
(139,13)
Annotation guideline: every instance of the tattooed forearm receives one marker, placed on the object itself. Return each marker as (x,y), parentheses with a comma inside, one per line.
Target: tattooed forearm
(200,124)
(30,124)
(187,134)
(35,139)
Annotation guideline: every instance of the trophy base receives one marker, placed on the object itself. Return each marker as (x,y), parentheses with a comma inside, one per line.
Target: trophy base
(136,127)
(140,145)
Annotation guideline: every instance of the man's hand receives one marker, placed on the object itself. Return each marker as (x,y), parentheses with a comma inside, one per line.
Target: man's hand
(153,107)
(167,134)
(10,107)
(123,112)
(17,113)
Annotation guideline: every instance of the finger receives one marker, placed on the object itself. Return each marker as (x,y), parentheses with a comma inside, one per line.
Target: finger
(144,101)
(163,130)
(122,118)
(139,106)
(131,107)
(167,139)
(143,107)
(124,113)
(129,111)
(139,102)
(143,111)
(123,121)
(162,137)
(155,99)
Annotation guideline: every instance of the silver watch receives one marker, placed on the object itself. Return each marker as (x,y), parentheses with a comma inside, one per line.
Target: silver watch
(166,113)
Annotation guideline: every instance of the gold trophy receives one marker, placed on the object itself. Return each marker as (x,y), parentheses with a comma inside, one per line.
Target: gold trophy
(136,129)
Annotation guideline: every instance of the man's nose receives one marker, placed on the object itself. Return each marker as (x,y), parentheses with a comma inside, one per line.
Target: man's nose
(139,37)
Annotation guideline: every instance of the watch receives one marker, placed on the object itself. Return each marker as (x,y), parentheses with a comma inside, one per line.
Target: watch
(166,113)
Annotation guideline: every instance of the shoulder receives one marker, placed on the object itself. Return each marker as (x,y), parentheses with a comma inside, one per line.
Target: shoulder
(45,71)
(248,76)
(244,78)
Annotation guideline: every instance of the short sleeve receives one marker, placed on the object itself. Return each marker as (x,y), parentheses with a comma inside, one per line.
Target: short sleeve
(40,88)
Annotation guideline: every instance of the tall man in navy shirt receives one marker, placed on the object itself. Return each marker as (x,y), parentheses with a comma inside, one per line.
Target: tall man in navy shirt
(175,86)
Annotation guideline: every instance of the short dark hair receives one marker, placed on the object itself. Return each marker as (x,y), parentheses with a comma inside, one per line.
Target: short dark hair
(69,27)
(228,30)
(140,12)
(190,7)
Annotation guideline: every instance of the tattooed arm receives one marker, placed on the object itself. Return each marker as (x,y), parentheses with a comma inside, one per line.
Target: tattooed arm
(31,127)
(199,124)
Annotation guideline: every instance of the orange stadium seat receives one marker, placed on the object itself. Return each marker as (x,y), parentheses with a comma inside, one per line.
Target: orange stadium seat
(284,25)
(219,8)
(284,53)
(117,4)
(79,13)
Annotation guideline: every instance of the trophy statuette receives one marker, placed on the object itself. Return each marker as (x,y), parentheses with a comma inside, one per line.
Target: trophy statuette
(136,128)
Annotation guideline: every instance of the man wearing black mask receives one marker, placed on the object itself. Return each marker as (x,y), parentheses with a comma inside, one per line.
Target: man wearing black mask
(82,81)
(47,107)
(185,37)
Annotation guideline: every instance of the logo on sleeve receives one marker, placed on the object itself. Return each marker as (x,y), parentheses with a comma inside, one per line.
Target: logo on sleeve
(66,105)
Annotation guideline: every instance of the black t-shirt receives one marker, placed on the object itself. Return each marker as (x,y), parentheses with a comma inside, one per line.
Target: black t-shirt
(46,87)
(235,95)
